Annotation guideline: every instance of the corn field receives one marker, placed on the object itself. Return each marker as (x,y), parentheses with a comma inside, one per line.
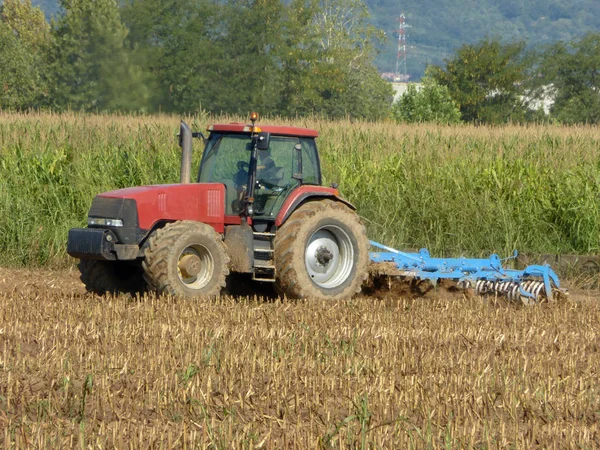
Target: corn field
(456,190)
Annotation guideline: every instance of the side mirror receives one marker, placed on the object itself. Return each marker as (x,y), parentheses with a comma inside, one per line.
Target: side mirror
(262,140)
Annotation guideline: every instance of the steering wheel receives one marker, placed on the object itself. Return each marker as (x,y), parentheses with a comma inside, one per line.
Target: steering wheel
(243,165)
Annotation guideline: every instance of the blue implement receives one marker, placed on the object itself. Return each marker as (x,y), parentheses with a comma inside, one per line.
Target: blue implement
(486,275)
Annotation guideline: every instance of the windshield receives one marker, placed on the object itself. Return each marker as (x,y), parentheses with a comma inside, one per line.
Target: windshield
(278,170)
(222,155)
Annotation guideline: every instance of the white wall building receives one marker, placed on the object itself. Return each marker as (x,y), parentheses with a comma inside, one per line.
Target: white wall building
(400,88)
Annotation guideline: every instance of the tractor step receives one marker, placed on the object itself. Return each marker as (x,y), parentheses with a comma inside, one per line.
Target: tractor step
(264,252)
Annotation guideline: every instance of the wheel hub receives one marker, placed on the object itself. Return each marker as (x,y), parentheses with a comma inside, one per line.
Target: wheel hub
(189,265)
(323,256)
(195,266)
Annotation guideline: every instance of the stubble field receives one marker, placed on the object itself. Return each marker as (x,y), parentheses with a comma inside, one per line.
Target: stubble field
(444,371)
(383,371)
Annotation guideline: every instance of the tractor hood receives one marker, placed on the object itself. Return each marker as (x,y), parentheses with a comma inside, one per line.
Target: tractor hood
(202,202)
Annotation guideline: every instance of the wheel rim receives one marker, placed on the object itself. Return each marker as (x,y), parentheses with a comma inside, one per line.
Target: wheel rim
(329,257)
(195,266)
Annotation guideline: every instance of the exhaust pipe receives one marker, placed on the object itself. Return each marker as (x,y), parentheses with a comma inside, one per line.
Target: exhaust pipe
(185,141)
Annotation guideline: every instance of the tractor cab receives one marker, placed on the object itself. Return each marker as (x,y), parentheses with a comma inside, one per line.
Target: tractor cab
(287,163)
(259,167)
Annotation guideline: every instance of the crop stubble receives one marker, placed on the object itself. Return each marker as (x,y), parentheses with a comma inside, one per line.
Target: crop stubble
(390,372)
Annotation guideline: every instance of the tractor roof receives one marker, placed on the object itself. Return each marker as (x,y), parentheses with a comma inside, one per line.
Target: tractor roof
(238,127)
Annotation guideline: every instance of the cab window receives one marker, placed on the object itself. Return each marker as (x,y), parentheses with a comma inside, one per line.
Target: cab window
(221,157)
(310,162)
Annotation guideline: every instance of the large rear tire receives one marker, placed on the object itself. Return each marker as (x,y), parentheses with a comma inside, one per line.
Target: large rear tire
(112,277)
(322,252)
(186,259)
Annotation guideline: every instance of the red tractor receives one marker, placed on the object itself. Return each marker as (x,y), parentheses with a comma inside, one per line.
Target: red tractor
(257,208)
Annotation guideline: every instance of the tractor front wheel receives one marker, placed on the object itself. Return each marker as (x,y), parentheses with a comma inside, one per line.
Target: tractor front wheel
(321,251)
(112,277)
(187,259)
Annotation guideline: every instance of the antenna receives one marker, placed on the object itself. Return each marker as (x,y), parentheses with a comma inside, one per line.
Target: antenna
(401,47)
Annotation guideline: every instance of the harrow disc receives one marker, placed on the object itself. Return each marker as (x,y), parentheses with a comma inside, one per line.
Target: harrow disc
(513,290)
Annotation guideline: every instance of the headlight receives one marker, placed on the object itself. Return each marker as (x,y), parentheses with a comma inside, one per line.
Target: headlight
(105,222)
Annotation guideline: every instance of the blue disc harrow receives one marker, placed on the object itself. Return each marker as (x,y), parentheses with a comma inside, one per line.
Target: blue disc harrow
(486,275)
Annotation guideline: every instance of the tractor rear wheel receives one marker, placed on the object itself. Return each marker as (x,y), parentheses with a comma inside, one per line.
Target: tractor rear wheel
(113,277)
(187,259)
(321,251)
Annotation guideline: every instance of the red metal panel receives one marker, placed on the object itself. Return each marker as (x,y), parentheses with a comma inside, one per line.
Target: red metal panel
(300,191)
(236,220)
(202,202)
(162,202)
(273,129)
(233,220)
(214,203)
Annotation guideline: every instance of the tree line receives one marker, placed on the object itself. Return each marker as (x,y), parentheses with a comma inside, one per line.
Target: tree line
(288,58)
(296,58)
(491,82)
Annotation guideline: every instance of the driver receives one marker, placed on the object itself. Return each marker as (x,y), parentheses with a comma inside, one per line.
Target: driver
(266,170)
(240,178)
(240,181)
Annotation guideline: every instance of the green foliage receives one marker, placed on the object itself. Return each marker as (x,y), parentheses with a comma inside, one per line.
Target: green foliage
(245,66)
(296,58)
(166,39)
(261,55)
(430,104)
(347,84)
(456,190)
(466,190)
(573,72)
(24,40)
(484,80)
(18,80)
(27,22)
(50,171)
(90,67)
(441,26)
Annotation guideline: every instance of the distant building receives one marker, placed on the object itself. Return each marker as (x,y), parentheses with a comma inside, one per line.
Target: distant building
(544,99)
(401,88)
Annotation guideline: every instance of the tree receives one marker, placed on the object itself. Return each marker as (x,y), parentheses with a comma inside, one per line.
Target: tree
(348,83)
(298,54)
(18,80)
(573,71)
(172,38)
(24,40)
(485,80)
(27,22)
(90,67)
(248,56)
(297,58)
(218,59)
(432,103)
